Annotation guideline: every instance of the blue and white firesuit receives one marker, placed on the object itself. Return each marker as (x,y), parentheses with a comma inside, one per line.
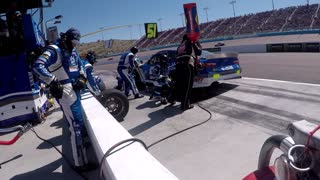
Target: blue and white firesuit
(125,66)
(57,63)
(92,83)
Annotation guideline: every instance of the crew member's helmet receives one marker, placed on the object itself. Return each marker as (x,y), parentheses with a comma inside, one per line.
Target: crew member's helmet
(91,57)
(163,57)
(134,50)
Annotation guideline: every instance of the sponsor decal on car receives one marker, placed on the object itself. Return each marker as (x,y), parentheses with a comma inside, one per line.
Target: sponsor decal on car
(227,68)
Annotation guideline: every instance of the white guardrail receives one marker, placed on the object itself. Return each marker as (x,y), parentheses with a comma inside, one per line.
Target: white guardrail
(132,162)
(251,48)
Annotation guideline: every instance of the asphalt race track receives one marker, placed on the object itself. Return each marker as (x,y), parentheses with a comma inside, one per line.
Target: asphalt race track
(296,67)
(245,113)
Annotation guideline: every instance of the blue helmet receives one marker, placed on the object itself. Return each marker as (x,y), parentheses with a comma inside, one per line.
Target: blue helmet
(91,57)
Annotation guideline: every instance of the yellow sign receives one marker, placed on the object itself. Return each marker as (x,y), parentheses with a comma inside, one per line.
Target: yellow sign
(216,76)
(151,30)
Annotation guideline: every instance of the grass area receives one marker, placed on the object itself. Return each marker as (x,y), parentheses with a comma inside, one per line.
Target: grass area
(118,46)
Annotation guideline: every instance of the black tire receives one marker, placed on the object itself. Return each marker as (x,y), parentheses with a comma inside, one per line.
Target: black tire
(115,102)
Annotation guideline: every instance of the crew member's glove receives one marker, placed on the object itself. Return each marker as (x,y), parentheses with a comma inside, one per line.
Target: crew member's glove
(199,66)
(56,89)
(80,83)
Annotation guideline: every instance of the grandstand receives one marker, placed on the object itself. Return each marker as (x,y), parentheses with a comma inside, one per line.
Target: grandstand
(306,17)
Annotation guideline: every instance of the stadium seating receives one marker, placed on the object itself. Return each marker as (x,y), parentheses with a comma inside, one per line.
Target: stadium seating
(285,19)
(302,18)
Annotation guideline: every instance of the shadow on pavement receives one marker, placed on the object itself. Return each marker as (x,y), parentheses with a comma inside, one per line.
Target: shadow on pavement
(60,123)
(51,170)
(156,118)
(202,94)
(56,109)
(47,172)
(56,141)
(149,104)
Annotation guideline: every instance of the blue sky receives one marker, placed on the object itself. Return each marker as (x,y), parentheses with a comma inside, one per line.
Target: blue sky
(90,15)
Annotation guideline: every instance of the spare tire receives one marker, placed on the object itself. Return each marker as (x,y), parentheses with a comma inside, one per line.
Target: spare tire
(115,102)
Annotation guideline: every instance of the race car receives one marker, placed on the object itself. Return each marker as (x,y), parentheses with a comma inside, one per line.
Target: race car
(215,67)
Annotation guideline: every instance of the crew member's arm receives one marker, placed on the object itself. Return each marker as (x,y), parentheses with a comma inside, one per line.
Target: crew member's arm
(81,82)
(131,61)
(197,51)
(40,66)
(197,48)
(91,83)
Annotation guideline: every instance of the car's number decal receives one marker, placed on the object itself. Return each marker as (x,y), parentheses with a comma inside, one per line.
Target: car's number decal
(227,68)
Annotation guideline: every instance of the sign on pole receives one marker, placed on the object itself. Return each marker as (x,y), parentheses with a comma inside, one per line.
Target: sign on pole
(151,30)
(192,21)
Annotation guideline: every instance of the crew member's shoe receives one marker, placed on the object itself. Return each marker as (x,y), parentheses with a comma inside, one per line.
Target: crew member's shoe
(172,102)
(85,168)
(164,101)
(138,96)
(190,106)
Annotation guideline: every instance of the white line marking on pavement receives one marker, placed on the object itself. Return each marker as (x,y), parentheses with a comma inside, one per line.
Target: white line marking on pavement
(289,82)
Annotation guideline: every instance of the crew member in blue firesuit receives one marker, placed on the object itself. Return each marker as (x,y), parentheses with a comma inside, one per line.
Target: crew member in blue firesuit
(60,67)
(92,83)
(126,64)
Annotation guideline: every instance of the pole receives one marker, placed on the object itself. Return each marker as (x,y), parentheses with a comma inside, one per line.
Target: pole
(182,17)
(272,5)
(206,10)
(46,24)
(234,12)
(102,35)
(160,19)
(140,30)
(41,15)
(130,32)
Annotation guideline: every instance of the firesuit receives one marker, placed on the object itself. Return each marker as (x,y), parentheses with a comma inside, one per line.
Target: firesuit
(60,67)
(185,70)
(125,67)
(92,80)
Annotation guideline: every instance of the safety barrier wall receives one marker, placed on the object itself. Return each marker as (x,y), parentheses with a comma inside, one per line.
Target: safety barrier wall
(264,48)
(294,47)
(253,48)
(132,161)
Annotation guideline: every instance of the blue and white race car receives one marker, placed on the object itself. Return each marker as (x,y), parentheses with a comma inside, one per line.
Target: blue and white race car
(215,67)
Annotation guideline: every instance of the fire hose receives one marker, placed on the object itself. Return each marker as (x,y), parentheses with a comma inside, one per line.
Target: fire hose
(22,130)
